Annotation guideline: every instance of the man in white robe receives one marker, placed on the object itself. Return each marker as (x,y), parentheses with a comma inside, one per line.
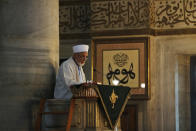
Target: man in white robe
(71,73)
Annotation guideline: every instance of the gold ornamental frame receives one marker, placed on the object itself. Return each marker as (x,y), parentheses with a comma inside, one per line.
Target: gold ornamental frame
(125,59)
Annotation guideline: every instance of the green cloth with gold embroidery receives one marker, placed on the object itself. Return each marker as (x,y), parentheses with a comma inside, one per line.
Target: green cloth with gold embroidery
(114,99)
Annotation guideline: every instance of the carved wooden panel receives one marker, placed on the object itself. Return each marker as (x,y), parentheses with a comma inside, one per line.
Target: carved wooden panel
(129,118)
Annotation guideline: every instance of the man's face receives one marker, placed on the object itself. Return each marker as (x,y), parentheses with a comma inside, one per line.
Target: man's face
(81,58)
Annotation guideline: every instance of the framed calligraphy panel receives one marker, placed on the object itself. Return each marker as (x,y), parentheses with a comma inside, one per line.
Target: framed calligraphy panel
(122,60)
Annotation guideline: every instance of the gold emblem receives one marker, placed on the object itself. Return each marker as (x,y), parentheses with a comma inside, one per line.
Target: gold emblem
(113,98)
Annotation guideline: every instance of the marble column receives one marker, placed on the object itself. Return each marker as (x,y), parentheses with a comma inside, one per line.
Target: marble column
(29,55)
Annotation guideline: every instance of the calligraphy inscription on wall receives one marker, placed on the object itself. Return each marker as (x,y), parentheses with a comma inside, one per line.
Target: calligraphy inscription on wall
(74,18)
(175,13)
(119,14)
(121,65)
(104,15)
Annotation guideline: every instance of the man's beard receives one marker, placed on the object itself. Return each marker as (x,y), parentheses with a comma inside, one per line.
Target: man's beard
(81,64)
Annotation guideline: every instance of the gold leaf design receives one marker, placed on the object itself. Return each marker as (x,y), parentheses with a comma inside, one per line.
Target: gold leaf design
(113,98)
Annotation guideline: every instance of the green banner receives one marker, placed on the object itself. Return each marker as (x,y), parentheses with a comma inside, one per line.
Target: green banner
(114,100)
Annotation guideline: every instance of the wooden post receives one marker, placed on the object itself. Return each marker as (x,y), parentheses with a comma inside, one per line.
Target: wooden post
(71,109)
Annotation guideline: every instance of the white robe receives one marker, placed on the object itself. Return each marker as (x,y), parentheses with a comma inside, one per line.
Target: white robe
(67,76)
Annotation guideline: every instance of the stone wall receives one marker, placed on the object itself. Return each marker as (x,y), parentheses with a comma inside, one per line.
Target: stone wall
(169,105)
(174,14)
(94,16)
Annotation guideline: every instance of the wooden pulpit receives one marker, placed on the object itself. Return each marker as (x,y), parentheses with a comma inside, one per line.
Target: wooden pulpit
(90,112)
(87,111)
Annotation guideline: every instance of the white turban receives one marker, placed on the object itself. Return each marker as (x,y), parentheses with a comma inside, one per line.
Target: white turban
(80,48)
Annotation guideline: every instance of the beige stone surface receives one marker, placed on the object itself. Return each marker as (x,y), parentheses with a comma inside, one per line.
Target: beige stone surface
(169,105)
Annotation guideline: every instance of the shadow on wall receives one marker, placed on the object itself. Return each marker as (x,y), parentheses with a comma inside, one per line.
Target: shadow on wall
(45,89)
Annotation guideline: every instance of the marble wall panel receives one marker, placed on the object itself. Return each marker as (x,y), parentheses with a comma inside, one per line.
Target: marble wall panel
(169,105)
